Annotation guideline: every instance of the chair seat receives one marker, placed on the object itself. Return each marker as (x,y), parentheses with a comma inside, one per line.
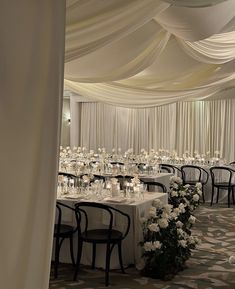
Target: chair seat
(101,236)
(65,230)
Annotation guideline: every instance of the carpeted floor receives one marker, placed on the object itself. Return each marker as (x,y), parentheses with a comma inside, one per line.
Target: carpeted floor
(207,268)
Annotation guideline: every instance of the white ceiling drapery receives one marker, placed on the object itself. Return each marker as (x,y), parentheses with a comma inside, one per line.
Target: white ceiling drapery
(143,53)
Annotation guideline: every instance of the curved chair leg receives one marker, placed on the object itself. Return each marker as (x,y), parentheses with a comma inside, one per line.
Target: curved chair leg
(120,256)
(71,250)
(233,196)
(107,265)
(93,255)
(57,257)
(229,191)
(203,195)
(79,255)
(212,196)
(217,199)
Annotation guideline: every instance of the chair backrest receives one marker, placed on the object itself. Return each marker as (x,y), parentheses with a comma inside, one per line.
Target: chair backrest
(62,209)
(232,163)
(173,169)
(164,169)
(156,184)
(221,174)
(191,173)
(87,210)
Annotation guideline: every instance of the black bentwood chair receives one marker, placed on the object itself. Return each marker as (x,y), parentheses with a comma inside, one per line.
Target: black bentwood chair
(108,235)
(222,178)
(154,184)
(194,174)
(171,169)
(62,232)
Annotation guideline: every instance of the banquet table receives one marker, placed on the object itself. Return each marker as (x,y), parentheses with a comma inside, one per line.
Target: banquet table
(131,248)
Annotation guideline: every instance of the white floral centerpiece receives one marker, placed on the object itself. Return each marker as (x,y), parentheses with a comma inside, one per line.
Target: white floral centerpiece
(167,239)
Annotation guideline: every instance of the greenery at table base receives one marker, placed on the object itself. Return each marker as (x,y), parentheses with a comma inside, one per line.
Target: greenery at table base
(167,238)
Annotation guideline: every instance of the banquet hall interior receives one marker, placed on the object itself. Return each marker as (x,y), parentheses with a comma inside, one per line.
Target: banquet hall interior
(119,114)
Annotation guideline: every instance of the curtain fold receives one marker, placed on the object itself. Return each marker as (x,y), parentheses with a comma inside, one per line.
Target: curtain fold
(196,127)
(31,79)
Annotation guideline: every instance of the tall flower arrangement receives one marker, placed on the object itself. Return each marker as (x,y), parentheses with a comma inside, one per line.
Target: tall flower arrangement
(167,239)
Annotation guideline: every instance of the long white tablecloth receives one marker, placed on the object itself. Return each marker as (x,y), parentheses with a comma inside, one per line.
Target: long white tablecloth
(131,248)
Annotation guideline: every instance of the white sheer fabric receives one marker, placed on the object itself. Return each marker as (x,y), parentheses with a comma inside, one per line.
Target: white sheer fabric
(31,77)
(185,126)
(145,53)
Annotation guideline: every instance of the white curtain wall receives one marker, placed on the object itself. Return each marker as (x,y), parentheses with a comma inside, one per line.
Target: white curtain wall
(185,126)
(31,81)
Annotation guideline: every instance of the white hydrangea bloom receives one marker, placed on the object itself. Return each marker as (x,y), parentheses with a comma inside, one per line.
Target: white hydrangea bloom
(153,227)
(163,223)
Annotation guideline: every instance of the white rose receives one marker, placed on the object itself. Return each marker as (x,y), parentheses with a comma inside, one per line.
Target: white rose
(173,215)
(182,193)
(176,211)
(167,208)
(186,186)
(152,212)
(153,227)
(148,246)
(192,219)
(157,245)
(196,198)
(198,185)
(163,223)
(180,232)
(175,186)
(182,243)
(174,194)
(181,208)
(165,215)
(179,224)
(157,204)
(143,220)
(231,260)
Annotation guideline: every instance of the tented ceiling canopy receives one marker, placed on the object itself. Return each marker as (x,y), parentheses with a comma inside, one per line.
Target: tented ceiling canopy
(145,53)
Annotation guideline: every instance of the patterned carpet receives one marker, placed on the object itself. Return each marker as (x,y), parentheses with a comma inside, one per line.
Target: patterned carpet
(209,266)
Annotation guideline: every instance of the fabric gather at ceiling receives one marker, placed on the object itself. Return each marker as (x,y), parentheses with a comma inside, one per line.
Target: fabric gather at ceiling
(144,53)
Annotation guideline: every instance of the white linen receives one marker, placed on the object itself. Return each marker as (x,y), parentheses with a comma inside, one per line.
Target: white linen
(31,77)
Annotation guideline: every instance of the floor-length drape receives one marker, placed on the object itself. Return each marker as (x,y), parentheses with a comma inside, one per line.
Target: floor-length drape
(202,127)
(31,81)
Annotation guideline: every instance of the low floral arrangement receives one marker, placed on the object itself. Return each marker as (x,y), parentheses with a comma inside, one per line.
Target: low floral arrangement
(167,239)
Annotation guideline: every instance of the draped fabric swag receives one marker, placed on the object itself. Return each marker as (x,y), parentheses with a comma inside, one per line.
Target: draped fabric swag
(200,126)
(139,53)
(31,78)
